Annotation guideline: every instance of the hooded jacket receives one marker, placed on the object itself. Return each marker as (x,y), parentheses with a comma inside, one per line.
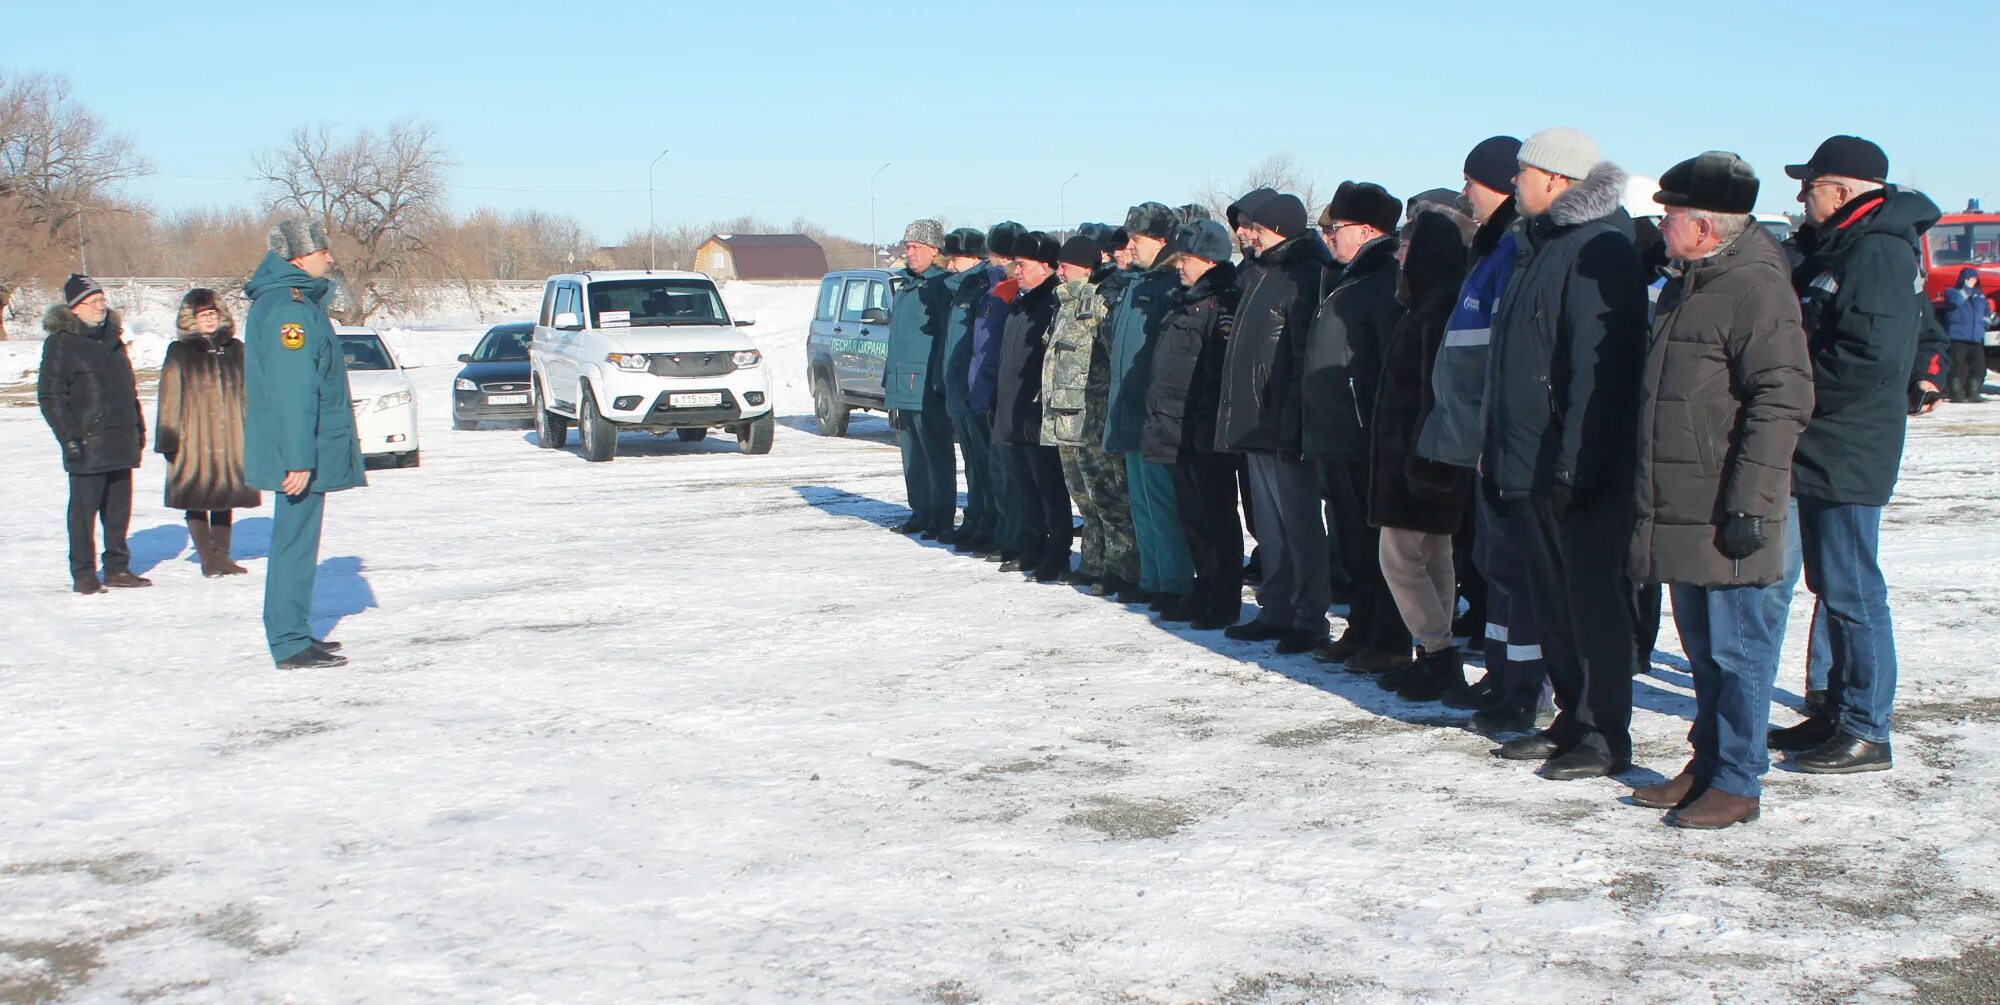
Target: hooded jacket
(1134,333)
(1017,390)
(88,395)
(1727,389)
(916,326)
(298,409)
(1406,490)
(1965,320)
(963,292)
(1452,432)
(200,424)
(1076,371)
(1569,338)
(1259,406)
(983,370)
(1187,367)
(1866,317)
(1343,354)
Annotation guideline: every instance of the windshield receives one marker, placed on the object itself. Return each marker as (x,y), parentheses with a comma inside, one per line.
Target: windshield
(1964,243)
(641,303)
(365,352)
(499,346)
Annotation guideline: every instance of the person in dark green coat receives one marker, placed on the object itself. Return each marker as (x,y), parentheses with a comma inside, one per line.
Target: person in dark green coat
(966,286)
(1166,568)
(913,383)
(298,430)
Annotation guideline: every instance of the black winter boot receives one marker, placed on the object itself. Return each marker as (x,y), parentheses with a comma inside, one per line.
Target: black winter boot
(1436,673)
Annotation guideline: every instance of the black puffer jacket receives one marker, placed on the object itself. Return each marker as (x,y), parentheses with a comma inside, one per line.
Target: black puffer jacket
(1727,389)
(1569,338)
(1866,318)
(1259,409)
(1343,354)
(1017,395)
(1187,367)
(87,393)
(1405,490)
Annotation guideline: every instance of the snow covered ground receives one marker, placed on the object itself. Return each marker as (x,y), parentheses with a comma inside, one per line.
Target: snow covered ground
(691,726)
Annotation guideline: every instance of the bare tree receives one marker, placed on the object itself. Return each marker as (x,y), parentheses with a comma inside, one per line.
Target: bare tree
(379,198)
(1278,171)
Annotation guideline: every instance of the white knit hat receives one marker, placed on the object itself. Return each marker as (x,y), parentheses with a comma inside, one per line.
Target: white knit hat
(1561,150)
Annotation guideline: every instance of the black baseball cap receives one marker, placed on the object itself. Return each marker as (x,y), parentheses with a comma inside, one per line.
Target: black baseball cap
(1847,156)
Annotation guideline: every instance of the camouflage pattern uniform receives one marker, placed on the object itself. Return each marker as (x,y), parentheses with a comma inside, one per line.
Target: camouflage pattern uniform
(1076,385)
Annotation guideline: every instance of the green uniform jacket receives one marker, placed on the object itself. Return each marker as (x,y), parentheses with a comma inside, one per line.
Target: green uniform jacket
(299,414)
(1135,331)
(916,322)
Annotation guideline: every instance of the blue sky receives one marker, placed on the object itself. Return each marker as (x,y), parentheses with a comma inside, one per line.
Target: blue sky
(983,109)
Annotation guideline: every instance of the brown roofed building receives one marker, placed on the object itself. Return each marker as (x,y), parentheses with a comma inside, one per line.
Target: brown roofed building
(760,257)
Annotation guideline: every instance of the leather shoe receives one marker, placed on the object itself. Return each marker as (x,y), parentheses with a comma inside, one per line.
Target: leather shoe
(86,584)
(905,527)
(1537,746)
(1011,565)
(1845,754)
(1301,641)
(1582,761)
(1162,601)
(1338,650)
(1713,810)
(327,645)
(125,581)
(1255,631)
(1374,661)
(1671,794)
(1213,623)
(1499,719)
(1471,697)
(1133,595)
(1802,737)
(312,658)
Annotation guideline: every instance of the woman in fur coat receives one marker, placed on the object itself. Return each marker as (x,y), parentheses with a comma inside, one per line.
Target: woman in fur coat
(200,428)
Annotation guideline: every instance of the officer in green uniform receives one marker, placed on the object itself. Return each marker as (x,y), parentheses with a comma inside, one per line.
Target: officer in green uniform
(298,431)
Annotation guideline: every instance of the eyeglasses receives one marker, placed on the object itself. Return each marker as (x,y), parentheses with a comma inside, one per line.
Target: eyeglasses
(1338,227)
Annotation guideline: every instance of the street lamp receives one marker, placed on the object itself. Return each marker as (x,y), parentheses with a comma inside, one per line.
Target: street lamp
(652,233)
(872,246)
(1062,203)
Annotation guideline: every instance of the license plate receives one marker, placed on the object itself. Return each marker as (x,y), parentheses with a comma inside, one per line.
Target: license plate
(694,400)
(506,399)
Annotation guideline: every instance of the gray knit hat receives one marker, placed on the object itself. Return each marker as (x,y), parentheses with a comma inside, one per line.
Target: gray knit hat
(928,232)
(296,237)
(1560,151)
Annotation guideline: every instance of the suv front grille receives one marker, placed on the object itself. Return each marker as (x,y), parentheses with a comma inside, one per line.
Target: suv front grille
(693,364)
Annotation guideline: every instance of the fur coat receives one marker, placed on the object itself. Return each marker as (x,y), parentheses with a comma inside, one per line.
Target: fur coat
(200,424)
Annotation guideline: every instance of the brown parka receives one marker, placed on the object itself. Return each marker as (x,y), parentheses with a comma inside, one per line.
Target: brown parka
(1727,389)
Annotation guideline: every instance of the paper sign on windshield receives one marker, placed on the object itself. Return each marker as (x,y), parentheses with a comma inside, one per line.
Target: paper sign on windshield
(614,317)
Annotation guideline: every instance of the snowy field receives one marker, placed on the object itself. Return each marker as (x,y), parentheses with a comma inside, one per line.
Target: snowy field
(691,726)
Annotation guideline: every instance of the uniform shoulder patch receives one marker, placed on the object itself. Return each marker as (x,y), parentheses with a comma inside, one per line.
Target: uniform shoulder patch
(292,335)
(297,297)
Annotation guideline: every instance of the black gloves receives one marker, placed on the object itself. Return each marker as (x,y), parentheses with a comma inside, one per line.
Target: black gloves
(1491,490)
(1740,536)
(72,450)
(1561,498)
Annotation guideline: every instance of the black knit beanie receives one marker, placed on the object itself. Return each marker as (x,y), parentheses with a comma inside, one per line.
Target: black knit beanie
(1080,250)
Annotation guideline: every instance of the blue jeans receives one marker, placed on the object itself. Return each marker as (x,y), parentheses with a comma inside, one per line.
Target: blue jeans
(1729,637)
(1839,542)
(1819,652)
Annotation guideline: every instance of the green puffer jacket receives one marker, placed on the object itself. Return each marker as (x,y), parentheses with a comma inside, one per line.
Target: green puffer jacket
(1076,373)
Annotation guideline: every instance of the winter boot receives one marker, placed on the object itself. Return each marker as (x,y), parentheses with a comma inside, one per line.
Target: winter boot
(86,583)
(1436,674)
(125,580)
(203,537)
(221,535)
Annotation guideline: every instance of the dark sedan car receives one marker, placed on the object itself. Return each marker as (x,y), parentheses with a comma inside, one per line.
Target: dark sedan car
(494,383)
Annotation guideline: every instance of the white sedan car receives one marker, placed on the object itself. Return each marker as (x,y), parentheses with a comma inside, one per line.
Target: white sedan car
(385,399)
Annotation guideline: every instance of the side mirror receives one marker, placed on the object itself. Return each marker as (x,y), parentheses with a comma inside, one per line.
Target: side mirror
(409,360)
(567,322)
(874,316)
(465,357)
(745,322)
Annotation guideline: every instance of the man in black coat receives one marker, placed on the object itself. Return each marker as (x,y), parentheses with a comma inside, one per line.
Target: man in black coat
(1343,363)
(91,402)
(1861,292)
(1035,469)
(1260,415)
(1569,340)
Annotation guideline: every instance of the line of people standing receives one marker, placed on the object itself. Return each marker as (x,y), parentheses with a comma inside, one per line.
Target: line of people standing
(1491,359)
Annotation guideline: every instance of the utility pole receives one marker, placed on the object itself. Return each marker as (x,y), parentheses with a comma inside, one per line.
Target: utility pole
(82,259)
(652,233)
(873,248)
(1062,204)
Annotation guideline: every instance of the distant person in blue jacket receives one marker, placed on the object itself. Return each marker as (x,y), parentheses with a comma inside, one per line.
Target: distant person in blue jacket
(1966,309)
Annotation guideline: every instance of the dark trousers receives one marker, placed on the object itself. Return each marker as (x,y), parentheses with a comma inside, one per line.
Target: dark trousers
(212,517)
(930,482)
(1205,489)
(1372,618)
(99,499)
(975,445)
(1513,635)
(1471,578)
(289,575)
(1645,623)
(1968,372)
(1292,534)
(1576,564)
(1039,471)
(1017,514)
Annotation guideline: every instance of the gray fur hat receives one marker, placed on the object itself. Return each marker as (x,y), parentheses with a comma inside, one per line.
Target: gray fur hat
(928,232)
(296,237)
(1205,239)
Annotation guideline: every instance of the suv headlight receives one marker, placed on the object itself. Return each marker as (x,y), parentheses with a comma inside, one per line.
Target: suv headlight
(389,401)
(629,360)
(748,357)
(463,384)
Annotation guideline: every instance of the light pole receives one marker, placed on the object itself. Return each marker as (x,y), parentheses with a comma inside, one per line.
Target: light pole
(872,246)
(1062,203)
(652,234)
(82,259)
